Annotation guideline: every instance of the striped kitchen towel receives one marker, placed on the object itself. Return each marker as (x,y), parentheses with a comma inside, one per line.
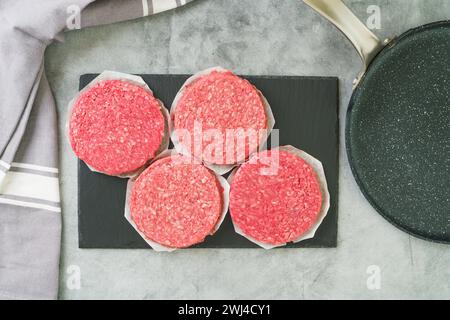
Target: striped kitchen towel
(30,211)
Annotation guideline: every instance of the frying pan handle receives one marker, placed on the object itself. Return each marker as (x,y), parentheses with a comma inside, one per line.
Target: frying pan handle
(366,43)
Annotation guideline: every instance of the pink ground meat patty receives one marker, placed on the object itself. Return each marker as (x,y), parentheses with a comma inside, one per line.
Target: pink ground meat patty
(278,208)
(116,127)
(176,203)
(220,101)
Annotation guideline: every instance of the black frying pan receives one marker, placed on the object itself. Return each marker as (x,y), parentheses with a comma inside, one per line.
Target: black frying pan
(398,122)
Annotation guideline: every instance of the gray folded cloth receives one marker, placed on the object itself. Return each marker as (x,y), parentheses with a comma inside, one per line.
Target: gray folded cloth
(30,211)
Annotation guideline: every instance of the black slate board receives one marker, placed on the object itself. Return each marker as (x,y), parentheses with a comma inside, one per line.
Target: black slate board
(306,112)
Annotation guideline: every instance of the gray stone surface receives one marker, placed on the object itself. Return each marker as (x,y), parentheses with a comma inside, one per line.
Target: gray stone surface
(251,37)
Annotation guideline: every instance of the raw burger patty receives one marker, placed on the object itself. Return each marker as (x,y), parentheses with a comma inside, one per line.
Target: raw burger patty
(175,202)
(278,208)
(116,127)
(220,101)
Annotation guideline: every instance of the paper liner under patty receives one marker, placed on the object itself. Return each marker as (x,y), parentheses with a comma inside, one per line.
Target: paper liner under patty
(219,169)
(320,173)
(157,246)
(135,80)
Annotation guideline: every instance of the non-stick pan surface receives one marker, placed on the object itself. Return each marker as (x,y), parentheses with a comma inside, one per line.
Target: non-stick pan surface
(398,132)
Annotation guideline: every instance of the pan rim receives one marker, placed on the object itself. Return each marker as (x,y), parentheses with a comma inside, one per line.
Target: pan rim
(348,145)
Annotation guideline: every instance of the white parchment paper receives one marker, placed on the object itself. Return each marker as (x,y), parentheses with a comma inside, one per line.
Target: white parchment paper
(138,81)
(318,169)
(219,169)
(161,248)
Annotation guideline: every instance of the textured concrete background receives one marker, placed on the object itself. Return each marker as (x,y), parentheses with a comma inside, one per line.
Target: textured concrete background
(264,37)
